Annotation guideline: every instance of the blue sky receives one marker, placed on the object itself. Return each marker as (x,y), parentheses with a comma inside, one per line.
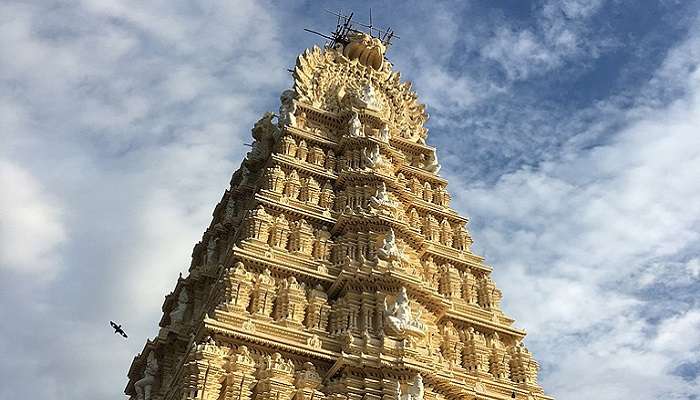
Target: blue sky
(568,129)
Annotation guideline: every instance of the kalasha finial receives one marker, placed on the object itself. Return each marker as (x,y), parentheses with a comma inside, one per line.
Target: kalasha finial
(367,44)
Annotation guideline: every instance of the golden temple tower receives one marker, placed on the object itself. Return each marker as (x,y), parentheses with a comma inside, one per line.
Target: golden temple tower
(334,267)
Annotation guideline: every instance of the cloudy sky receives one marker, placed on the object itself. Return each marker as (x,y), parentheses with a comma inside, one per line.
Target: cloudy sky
(569,131)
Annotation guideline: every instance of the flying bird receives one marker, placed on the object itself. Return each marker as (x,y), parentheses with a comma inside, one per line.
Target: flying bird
(118,329)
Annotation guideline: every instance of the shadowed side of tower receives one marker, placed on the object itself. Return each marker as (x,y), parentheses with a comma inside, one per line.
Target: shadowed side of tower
(334,267)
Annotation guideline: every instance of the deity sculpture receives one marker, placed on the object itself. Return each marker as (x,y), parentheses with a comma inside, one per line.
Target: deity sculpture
(177,314)
(265,134)
(355,126)
(381,200)
(287,109)
(374,159)
(389,250)
(384,134)
(430,163)
(368,98)
(399,320)
(211,250)
(144,385)
(414,391)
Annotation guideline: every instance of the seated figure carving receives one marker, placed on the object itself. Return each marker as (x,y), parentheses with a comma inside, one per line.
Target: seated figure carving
(374,159)
(389,250)
(399,320)
(381,200)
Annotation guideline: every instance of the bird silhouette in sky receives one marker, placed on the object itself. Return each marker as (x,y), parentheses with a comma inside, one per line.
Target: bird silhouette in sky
(118,329)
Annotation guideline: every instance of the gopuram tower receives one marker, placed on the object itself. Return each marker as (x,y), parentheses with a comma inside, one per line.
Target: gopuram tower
(334,267)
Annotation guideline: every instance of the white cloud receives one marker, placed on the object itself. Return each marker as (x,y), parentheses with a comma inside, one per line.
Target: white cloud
(31,228)
(584,230)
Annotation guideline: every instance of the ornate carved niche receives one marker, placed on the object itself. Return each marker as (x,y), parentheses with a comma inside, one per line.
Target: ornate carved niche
(431,228)
(441,197)
(450,282)
(317,310)
(257,224)
(177,314)
(279,234)
(310,191)
(399,319)
(301,237)
(322,244)
(451,347)
(236,284)
(461,239)
(499,361)
(430,272)
(489,295)
(302,150)
(416,187)
(291,301)
(238,381)
(316,156)
(446,234)
(307,382)
(292,185)
(275,378)
(427,192)
(326,197)
(414,218)
(275,179)
(476,353)
(263,294)
(288,146)
(330,161)
(523,367)
(470,291)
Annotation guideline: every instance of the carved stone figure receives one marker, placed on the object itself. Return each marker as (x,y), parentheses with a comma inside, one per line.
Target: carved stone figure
(389,250)
(415,391)
(430,163)
(355,128)
(374,159)
(368,98)
(287,109)
(211,250)
(144,385)
(399,320)
(177,314)
(265,134)
(384,134)
(381,200)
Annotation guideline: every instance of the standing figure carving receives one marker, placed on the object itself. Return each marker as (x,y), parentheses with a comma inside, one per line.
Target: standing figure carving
(178,314)
(144,385)
(287,109)
(355,126)
(415,391)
